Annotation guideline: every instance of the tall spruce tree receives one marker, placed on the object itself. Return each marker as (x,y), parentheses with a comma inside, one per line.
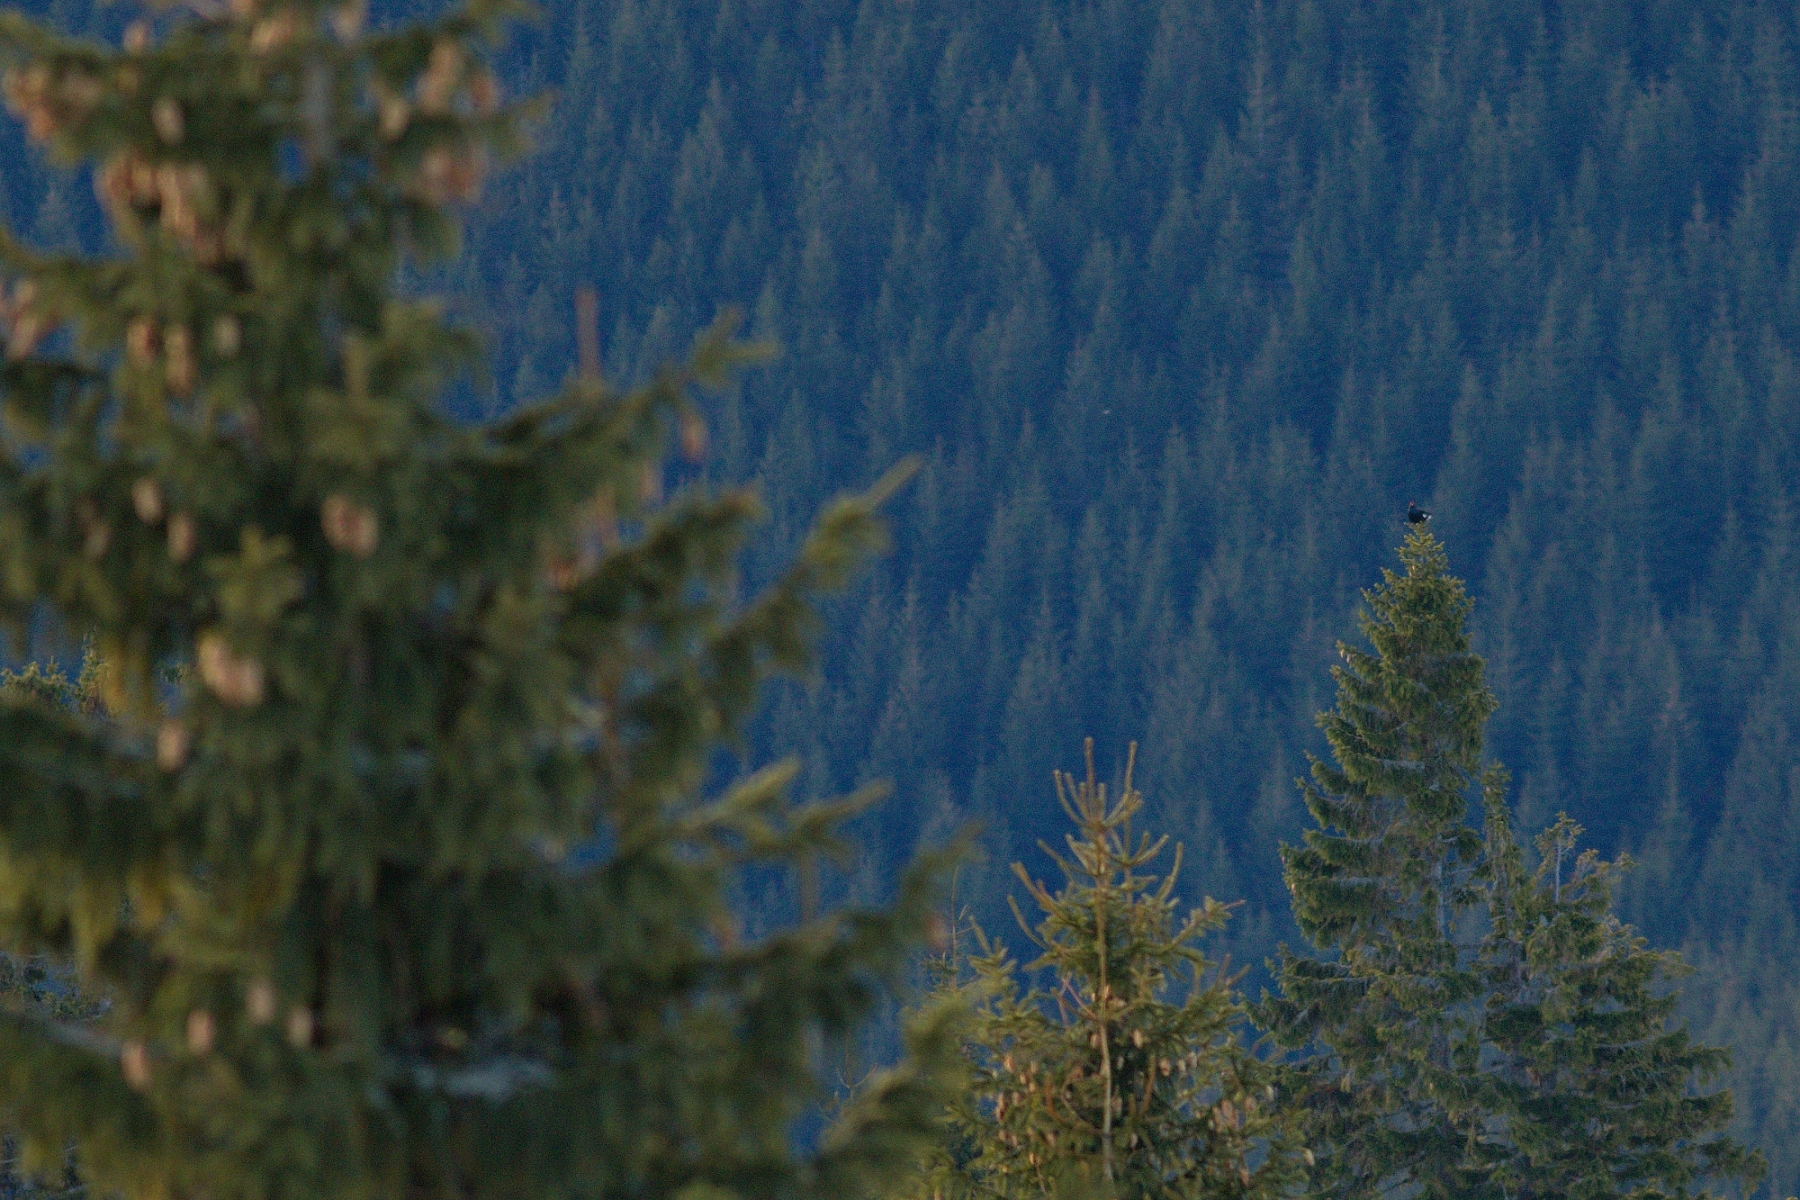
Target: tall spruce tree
(1121,1074)
(323,878)
(1535,1060)
(1386,888)
(1592,1088)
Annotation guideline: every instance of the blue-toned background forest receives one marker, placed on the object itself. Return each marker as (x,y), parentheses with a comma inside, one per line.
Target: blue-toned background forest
(1181,302)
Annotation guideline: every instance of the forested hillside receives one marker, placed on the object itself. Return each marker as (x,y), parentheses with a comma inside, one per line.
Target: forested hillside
(1182,301)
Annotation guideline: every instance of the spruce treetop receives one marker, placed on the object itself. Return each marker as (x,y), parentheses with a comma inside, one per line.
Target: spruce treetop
(1405,740)
(1120,1073)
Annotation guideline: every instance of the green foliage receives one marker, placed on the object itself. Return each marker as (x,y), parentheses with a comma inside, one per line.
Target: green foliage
(36,985)
(395,857)
(1385,885)
(50,684)
(1538,1059)
(1590,1083)
(46,992)
(1121,1074)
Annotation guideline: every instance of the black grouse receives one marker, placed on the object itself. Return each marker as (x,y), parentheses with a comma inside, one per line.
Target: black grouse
(1416,515)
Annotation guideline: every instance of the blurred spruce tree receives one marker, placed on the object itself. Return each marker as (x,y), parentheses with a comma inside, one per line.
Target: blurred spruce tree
(324,878)
(38,985)
(1122,1075)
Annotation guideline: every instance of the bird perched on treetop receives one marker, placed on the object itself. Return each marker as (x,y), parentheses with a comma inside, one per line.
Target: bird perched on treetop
(1416,515)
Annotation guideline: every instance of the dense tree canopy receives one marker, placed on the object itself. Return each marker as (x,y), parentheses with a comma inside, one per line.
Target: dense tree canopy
(1182,302)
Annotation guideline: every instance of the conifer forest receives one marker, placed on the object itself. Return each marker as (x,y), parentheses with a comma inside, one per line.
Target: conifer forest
(900,598)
